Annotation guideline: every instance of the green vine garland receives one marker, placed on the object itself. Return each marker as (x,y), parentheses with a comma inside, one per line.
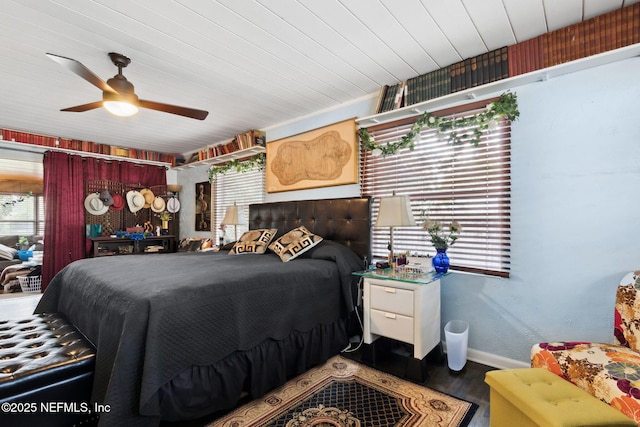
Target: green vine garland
(241,166)
(506,106)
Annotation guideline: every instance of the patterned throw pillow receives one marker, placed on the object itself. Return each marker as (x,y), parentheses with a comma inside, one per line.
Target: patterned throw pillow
(295,242)
(190,244)
(254,241)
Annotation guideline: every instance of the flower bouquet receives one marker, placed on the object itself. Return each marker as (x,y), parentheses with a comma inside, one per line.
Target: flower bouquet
(441,238)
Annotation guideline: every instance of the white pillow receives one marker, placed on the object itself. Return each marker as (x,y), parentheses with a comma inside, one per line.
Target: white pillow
(7,253)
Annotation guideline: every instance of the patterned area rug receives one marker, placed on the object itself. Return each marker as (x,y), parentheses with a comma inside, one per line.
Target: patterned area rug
(344,393)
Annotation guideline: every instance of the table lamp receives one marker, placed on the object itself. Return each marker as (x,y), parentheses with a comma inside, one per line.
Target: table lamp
(395,211)
(231,218)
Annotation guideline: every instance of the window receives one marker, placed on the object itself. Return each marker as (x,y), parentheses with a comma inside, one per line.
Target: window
(470,184)
(243,189)
(21,215)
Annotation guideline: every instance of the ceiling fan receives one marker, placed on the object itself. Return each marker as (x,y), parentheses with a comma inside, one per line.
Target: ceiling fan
(118,96)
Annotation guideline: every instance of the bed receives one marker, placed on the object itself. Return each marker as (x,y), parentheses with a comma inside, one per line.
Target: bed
(179,336)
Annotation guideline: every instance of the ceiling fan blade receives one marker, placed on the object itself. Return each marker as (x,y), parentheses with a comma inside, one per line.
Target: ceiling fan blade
(79,69)
(174,109)
(84,107)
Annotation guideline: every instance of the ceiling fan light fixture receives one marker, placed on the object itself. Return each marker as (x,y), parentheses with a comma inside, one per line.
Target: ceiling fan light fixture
(120,109)
(121,105)
(118,95)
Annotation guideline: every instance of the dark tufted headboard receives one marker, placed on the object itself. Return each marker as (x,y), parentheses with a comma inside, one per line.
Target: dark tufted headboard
(346,221)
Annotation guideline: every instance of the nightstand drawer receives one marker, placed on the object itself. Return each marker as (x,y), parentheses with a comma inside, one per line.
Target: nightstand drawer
(394,300)
(392,325)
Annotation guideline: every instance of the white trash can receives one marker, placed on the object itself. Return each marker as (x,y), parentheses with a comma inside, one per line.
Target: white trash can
(456,334)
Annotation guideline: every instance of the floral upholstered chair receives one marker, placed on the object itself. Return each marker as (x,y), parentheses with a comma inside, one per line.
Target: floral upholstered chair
(610,372)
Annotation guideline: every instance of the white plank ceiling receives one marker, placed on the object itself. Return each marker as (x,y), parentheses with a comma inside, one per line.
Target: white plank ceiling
(251,63)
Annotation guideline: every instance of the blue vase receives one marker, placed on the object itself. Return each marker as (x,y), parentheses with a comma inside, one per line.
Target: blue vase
(441,261)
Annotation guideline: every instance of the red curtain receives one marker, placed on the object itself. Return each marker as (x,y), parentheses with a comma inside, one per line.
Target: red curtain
(64,193)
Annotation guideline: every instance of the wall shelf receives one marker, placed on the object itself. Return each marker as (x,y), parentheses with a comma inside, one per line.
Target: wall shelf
(495,88)
(40,149)
(240,154)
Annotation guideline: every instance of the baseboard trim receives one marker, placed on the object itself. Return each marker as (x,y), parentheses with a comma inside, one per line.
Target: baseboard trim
(493,360)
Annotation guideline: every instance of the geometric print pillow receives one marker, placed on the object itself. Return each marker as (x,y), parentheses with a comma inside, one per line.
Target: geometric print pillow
(254,241)
(294,243)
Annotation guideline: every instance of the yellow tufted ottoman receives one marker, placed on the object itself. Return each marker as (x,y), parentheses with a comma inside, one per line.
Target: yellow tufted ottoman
(536,397)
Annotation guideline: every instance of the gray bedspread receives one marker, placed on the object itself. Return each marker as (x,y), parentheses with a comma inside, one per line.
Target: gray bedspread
(152,316)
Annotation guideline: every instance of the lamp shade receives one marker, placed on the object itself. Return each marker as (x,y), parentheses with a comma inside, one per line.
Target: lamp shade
(395,211)
(231,215)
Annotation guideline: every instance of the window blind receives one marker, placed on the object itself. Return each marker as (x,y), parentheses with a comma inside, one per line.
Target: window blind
(21,215)
(243,189)
(445,182)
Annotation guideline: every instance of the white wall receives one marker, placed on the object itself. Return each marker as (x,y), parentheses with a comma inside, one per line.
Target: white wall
(575,179)
(575,198)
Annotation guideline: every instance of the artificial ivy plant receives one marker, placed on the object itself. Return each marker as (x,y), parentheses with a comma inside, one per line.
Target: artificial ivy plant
(457,129)
(257,160)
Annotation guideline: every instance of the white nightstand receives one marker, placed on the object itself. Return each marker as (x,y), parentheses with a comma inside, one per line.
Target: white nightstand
(404,307)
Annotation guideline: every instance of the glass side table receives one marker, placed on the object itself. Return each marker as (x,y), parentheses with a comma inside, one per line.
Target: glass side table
(401,275)
(403,306)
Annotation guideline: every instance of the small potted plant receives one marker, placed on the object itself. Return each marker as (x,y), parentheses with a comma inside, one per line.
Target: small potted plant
(165,217)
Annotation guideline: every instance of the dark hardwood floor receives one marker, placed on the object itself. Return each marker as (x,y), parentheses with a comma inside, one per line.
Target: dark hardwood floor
(468,384)
(391,357)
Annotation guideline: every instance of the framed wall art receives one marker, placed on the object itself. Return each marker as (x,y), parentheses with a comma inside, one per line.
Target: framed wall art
(203,206)
(322,157)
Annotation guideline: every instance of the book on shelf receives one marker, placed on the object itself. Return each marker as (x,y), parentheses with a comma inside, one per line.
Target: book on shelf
(413,90)
(84,146)
(250,139)
(119,151)
(461,75)
(499,63)
(482,69)
(592,33)
(428,86)
(241,141)
(260,138)
(389,98)
(442,82)
(477,69)
(613,30)
(525,56)
(399,100)
(380,100)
